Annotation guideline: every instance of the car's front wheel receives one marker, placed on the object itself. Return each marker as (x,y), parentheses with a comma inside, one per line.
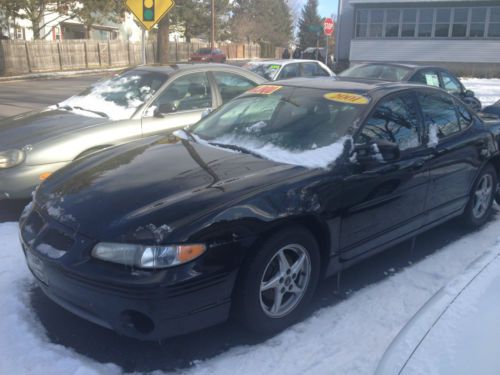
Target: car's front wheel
(276,285)
(478,210)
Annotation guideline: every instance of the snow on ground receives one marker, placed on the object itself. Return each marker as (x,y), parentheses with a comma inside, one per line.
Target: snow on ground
(486,90)
(348,338)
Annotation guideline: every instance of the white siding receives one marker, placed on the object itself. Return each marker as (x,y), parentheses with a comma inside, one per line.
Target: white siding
(464,51)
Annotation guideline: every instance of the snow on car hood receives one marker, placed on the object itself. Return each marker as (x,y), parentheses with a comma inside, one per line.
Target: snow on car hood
(102,98)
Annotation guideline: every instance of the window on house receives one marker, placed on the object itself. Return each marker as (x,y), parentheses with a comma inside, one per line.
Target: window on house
(362,23)
(460,19)
(376,23)
(425,22)
(392,23)
(409,23)
(443,16)
(494,25)
(477,22)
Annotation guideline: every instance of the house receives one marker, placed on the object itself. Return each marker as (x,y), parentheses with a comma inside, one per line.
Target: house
(463,35)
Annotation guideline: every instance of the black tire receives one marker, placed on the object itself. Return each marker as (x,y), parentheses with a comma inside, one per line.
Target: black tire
(248,296)
(470,217)
(223,61)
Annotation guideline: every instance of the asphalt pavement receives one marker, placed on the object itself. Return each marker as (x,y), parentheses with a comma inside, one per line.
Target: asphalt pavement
(20,96)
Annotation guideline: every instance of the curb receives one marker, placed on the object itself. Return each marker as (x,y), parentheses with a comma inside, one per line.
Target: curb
(52,75)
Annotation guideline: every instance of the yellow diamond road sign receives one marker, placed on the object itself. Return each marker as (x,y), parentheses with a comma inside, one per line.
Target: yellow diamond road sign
(149,12)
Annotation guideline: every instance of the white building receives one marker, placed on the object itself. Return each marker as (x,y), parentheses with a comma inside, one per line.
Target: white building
(463,35)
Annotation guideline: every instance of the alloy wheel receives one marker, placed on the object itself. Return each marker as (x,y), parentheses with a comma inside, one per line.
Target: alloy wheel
(482,196)
(285,280)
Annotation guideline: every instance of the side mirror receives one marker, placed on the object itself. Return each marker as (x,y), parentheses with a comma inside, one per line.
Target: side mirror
(166,108)
(206,112)
(376,151)
(469,93)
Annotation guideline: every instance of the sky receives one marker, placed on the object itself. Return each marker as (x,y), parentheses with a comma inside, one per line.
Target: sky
(327,7)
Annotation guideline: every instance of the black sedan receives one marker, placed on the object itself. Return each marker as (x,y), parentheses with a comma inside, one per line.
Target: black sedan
(427,75)
(246,211)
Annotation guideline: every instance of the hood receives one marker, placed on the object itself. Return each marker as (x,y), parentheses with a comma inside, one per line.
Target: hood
(154,184)
(35,127)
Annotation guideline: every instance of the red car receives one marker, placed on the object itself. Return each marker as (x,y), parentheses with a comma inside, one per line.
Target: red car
(209,55)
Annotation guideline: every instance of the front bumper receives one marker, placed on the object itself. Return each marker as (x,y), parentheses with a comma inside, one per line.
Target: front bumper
(18,182)
(142,304)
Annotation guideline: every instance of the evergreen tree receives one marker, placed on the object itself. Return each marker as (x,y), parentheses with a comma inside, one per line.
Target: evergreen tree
(308,21)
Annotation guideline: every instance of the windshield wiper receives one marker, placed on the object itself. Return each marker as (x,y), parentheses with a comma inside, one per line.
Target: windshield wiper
(102,114)
(70,108)
(235,148)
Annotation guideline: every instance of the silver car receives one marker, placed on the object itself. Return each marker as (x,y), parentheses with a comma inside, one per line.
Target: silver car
(138,103)
(456,331)
(289,68)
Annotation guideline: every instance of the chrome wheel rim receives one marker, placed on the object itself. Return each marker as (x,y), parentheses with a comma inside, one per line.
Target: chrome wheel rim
(482,196)
(285,280)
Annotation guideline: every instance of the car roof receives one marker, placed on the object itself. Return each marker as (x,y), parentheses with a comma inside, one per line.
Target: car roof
(170,69)
(402,65)
(281,61)
(359,86)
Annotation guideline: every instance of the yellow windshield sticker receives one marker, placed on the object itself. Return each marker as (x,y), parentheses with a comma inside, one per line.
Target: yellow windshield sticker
(264,90)
(347,97)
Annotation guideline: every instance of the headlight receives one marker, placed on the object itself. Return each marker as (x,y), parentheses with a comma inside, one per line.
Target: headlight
(147,256)
(11,158)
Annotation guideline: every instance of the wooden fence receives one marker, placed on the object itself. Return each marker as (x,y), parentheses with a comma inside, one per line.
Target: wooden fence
(20,57)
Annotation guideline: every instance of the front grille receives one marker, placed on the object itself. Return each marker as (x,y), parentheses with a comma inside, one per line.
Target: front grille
(32,227)
(46,236)
(57,240)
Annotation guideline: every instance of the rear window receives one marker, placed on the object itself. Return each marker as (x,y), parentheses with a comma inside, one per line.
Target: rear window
(204,51)
(382,72)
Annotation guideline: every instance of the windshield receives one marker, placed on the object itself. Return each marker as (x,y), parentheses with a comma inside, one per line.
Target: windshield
(117,98)
(374,71)
(268,71)
(289,125)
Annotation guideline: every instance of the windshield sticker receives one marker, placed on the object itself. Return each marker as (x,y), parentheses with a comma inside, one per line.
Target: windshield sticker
(274,67)
(346,97)
(264,90)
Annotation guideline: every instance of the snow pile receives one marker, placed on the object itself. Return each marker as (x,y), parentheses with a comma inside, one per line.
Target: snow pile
(25,348)
(486,90)
(347,338)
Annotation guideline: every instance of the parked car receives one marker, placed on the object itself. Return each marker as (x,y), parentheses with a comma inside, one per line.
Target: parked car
(208,55)
(137,103)
(456,331)
(493,109)
(252,206)
(427,75)
(285,69)
(314,53)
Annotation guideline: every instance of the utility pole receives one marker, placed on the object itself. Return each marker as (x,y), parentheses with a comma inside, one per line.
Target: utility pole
(213,24)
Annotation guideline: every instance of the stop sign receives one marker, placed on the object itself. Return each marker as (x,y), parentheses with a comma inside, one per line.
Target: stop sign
(328,26)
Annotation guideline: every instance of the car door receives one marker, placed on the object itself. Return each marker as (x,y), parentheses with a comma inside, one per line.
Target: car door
(180,104)
(384,199)
(454,153)
(230,85)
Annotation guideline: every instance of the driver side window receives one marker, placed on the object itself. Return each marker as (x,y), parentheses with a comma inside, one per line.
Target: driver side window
(393,120)
(451,84)
(187,93)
